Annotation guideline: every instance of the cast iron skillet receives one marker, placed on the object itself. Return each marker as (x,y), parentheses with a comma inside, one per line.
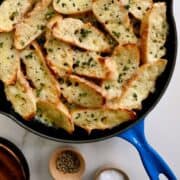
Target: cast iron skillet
(80,136)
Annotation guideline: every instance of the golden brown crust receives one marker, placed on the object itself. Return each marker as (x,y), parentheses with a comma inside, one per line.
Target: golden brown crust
(32,25)
(29,90)
(144,31)
(123,62)
(83,93)
(111,23)
(88,83)
(139,86)
(138,8)
(13,79)
(11,13)
(52,22)
(43,61)
(101,116)
(76,27)
(72,7)
(59,56)
(21,96)
(152,47)
(57,114)
(53,67)
(45,85)
(9,61)
(91,65)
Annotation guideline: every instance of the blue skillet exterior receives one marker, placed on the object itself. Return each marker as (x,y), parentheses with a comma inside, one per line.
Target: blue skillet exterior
(152,161)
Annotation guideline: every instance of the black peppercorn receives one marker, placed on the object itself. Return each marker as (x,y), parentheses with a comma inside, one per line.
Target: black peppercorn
(68,162)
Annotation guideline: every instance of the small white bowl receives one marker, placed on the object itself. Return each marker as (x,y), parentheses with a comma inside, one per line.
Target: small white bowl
(122,173)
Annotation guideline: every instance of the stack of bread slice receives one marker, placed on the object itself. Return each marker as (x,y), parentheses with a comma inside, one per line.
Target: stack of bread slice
(79,63)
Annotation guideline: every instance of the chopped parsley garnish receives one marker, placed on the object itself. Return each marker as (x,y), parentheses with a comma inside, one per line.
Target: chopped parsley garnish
(63,4)
(135,96)
(76,64)
(120,78)
(13,15)
(112,42)
(40,27)
(84,33)
(65,64)
(127,6)
(106,8)
(17,96)
(92,115)
(22,43)
(69,83)
(50,50)
(89,61)
(126,68)
(38,91)
(117,34)
(30,55)
(103,119)
(107,87)
(1,44)
(83,94)
(61,81)
(78,116)
(49,15)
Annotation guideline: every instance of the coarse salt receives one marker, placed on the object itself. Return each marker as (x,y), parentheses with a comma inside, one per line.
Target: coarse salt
(111,175)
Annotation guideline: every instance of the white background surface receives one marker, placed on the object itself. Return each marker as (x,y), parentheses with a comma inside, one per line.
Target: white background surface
(162,130)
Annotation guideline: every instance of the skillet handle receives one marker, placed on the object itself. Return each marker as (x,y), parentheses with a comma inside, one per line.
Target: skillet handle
(152,161)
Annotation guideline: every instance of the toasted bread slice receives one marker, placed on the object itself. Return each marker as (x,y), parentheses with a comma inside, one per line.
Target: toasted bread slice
(59,56)
(89,17)
(9,59)
(138,8)
(46,86)
(55,114)
(154,29)
(127,60)
(85,36)
(90,64)
(81,92)
(33,24)
(115,19)
(101,119)
(140,86)
(72,6)
(21,97)
(11,11)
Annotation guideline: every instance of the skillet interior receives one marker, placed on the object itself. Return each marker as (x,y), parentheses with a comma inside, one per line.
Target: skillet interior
(80,136)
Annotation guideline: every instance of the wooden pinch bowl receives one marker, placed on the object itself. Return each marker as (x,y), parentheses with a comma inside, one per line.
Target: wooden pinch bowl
(59,175)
